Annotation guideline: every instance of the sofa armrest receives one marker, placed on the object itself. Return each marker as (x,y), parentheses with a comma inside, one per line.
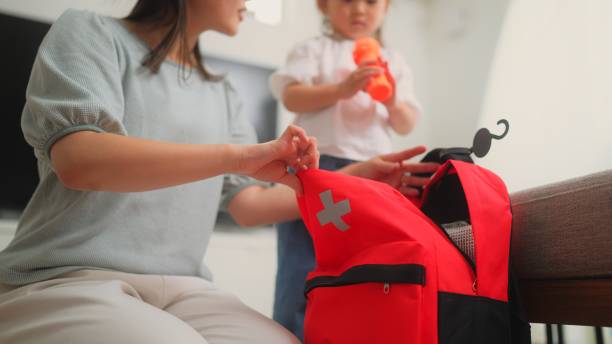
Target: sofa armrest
(562,250)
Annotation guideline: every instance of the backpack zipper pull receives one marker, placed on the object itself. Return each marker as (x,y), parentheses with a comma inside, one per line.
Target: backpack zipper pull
(475,286)
(386,288)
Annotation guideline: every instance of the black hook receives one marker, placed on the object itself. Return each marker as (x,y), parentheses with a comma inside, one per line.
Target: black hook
(504,122)
(483,138)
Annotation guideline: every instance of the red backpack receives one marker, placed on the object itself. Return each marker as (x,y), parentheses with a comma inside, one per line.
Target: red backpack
(389,271)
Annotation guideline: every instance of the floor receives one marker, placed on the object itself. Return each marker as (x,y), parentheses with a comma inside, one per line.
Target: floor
(243,261)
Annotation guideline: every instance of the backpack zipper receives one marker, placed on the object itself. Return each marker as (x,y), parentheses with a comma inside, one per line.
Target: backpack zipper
(372,273)
(465,256)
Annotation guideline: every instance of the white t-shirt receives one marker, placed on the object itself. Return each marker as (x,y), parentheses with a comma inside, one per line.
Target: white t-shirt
(355,128)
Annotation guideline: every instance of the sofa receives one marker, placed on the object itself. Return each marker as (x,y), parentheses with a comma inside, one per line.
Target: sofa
(561,250)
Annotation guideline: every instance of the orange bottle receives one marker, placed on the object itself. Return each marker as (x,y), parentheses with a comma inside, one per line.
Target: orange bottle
(368,49)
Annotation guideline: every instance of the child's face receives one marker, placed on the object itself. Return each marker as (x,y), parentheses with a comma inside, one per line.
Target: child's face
(223,16)
(354,18)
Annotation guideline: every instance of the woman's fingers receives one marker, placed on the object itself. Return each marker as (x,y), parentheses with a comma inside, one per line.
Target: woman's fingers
(312,154)
(408,180)
(405,154)
(296,138)
(294,135)
(409,191)
(307,155)
(293,182)
(386,167)
(421,167)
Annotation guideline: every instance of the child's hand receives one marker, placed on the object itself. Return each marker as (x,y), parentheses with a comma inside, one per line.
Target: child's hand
(358,80)
(269,161)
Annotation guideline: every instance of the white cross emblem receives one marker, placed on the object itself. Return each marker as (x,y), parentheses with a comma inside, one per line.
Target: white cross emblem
(333,212)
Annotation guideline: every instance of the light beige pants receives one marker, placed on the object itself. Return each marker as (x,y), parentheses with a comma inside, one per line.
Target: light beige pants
(94,306)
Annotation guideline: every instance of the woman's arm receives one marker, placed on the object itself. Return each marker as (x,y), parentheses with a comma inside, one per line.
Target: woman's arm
(256,205)
(107,162)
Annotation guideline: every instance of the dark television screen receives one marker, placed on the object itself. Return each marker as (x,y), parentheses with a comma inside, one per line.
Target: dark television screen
(20,39)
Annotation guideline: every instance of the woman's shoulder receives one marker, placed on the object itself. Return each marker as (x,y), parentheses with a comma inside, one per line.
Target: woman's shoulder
(80,21)
(79,35)
(80,27)
(80,30)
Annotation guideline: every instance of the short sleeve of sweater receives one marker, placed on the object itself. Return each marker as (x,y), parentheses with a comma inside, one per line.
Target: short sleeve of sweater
(241,132)
(75,83)
(302,66)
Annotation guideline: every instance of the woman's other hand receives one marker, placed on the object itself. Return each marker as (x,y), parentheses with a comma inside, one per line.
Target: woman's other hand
(393,170)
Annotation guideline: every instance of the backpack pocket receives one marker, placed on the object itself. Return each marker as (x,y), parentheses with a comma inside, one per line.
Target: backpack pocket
(379,302)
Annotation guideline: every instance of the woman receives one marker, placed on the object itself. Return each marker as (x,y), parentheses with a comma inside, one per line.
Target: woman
(133,137)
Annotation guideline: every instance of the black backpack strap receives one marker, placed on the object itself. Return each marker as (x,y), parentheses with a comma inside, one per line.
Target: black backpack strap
(442,155)
(520,329)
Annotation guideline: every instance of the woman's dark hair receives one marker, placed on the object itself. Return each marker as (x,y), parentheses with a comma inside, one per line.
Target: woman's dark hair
(173,15)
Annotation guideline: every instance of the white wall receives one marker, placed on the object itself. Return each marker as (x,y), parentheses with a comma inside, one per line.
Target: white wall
(263,44)
(406,30)
(462,40)
(552,79)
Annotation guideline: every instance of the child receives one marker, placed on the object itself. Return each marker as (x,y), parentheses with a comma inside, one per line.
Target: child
(324,87)
(133,138)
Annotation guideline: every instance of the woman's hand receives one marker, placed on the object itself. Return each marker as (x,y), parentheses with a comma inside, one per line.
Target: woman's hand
(391,169)
(270,161)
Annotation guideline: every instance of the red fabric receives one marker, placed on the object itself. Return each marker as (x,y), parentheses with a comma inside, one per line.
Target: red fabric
(491,217)
(384,227)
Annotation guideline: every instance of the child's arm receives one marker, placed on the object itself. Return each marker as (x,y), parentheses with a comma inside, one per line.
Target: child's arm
(87,160)
(300,98)
(402,114)
(402,117)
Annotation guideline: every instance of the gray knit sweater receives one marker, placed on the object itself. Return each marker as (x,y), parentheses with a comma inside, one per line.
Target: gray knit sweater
(88,76)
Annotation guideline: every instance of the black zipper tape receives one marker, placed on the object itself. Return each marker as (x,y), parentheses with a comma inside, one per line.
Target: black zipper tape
(368,273)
